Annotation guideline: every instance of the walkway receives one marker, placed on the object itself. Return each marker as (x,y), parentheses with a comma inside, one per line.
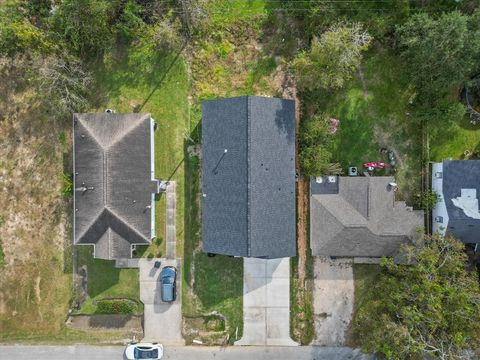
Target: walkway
(333,297)
(162,321)
(266,302)
(170,230)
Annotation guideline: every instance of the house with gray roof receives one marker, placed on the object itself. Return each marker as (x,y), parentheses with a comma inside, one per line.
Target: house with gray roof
(248,177)
(114,185)
(359,217)
(457,183)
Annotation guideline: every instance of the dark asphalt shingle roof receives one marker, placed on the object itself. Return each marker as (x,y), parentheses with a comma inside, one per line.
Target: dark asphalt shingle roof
(361,220)
(249,203)
(458,175)
(112,182)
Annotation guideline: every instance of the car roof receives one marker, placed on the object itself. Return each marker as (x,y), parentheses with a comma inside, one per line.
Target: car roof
(168,271)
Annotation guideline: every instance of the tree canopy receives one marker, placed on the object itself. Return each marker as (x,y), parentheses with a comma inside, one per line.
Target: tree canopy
(429,307)
(333,58)
(439,53)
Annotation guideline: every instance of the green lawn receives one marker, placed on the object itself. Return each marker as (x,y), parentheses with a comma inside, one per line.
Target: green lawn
(453,139)
(374,113)
(105,280)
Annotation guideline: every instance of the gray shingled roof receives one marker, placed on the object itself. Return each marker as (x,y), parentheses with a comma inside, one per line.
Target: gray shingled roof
(249,204)
(113,186)
(360,218)
(458,175)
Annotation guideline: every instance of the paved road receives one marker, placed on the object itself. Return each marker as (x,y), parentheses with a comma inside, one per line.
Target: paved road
(81,352)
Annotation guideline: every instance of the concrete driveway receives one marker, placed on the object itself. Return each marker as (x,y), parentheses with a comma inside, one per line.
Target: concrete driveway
(266,302)
(162,321)
(333,297)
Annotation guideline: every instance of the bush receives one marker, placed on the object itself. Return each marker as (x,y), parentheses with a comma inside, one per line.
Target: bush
(84,25)
(2,256)
(67,185)
(116,307)
(426,200)
(315,139)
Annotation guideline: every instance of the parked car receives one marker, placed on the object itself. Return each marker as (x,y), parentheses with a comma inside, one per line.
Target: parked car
(168,277)
(144,351)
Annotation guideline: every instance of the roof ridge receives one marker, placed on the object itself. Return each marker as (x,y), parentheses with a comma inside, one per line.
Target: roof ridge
(125,223)
(87,228)
(350,207)
(90,132)
(128,131)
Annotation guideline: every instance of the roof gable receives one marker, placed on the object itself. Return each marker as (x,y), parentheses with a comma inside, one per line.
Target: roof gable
(113,185)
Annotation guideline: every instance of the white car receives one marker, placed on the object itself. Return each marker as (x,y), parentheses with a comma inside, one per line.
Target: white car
(144,351)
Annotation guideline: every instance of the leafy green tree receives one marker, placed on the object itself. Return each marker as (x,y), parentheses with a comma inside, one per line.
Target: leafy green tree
(18,34)
(333,58)
(440,53)
(428,307)
(84,25)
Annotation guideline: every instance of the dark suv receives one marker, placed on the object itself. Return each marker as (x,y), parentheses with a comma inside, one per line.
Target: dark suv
(168,277)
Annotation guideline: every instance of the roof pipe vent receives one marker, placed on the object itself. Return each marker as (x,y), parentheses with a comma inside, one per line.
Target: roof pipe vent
(110,111)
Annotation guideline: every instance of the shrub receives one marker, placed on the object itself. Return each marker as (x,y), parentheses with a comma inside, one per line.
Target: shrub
(2,256)
(115,306)
(67,185)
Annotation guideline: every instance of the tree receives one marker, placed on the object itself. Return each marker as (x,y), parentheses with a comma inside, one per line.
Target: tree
(84,25)
(333,58)
(315,138)
(429,305)
(63,85)
(440,53)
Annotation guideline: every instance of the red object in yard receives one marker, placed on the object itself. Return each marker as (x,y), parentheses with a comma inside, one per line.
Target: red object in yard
(375,165)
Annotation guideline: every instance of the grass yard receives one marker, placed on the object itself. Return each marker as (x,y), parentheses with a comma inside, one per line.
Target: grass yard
(452,140)
(105,281)
(373,111)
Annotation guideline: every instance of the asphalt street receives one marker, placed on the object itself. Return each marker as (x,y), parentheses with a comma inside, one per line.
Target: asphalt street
(84,352)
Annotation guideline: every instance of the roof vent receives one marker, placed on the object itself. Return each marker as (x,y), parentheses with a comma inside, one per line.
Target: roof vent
(332,179)
(392,186)
(319,180)
(110,111)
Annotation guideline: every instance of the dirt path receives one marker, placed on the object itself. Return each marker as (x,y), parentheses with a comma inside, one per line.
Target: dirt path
(289,91)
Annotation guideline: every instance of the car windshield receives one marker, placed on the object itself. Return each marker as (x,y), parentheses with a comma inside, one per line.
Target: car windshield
(146,354)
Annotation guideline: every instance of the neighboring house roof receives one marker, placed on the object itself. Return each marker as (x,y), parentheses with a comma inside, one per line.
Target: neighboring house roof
(248,206)
(113,182)
(359,217)
(459,192)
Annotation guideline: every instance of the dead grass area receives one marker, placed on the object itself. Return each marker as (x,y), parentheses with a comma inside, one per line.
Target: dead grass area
(35,283)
